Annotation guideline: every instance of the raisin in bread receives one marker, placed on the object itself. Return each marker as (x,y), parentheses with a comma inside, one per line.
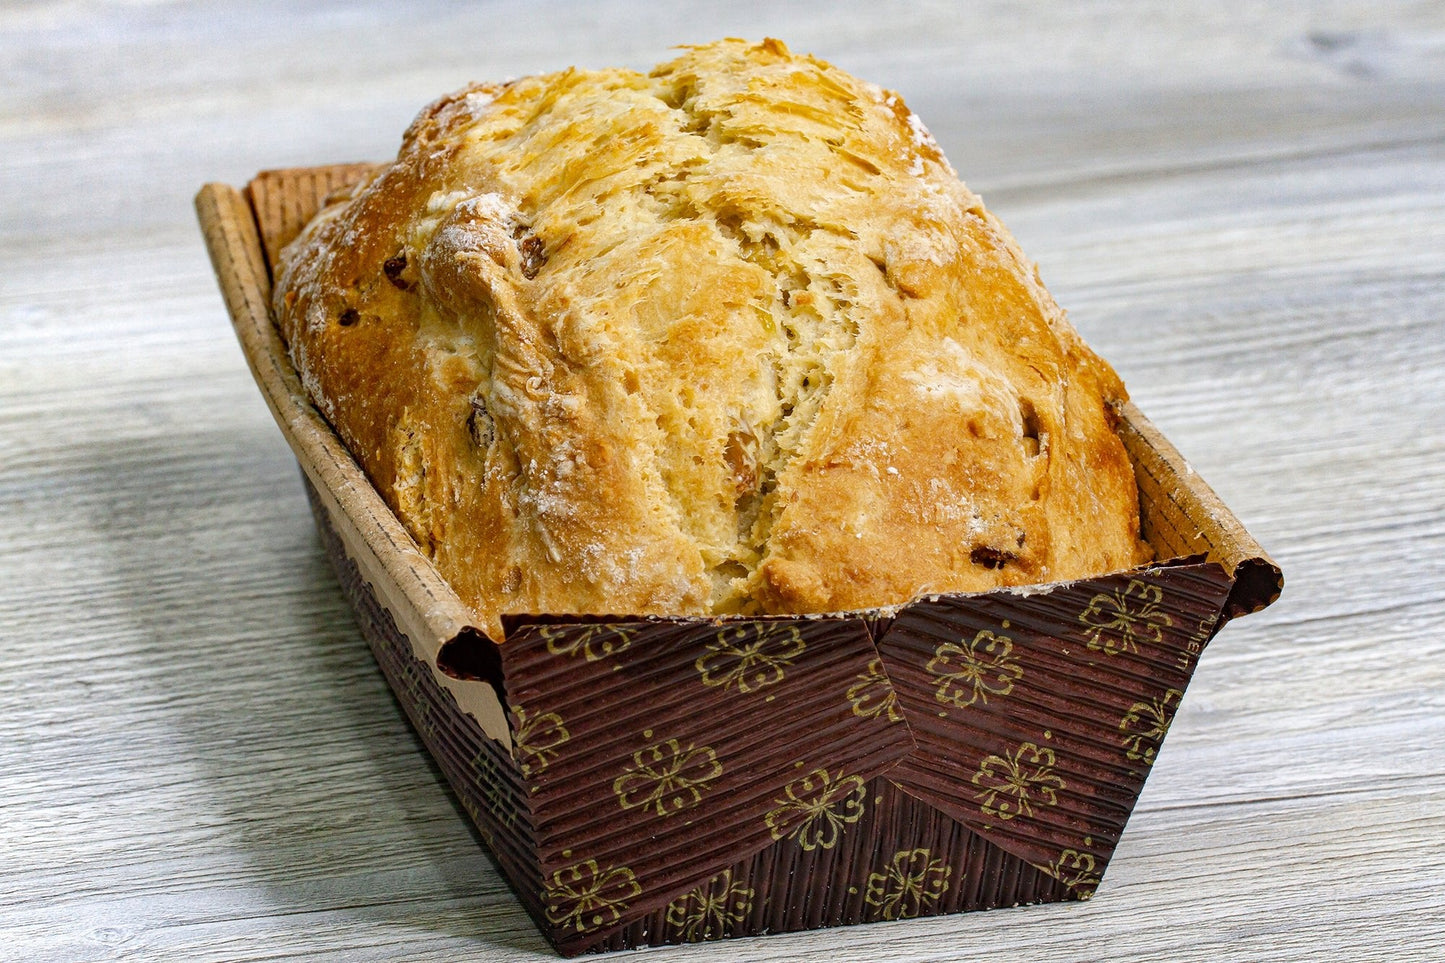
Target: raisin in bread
(728,336)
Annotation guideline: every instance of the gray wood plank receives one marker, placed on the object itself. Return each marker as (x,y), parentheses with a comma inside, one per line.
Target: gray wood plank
(1242,206)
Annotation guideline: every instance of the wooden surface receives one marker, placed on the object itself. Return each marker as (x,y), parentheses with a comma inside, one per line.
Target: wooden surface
(1241,205)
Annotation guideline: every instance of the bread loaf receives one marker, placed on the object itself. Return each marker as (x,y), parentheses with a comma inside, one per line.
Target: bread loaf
(729,336)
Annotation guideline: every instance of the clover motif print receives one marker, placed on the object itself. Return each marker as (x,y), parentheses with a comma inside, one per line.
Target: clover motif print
(912,884)
(490,781)
(537,739)
(815,808)
(585,897)
(1075,870)
(1145,724)
(1014,783)
(710,910)
(872,695)
(484,828)
(667,778)
(750,660)
(595,642)
(1121,620)
(970,671)
(421,707)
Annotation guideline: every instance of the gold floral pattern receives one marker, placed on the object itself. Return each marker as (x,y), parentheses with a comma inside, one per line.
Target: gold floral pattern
(971,671)
(421,708)
(1013,784)
(536,740)
(667,777)
(1119,621)
(815,808)
(750,660)
(483,827)
(585,897)
(873,696)
(709,911)
(594,642)
(1075,870)
(911,885)
(1145,725)
(490,781)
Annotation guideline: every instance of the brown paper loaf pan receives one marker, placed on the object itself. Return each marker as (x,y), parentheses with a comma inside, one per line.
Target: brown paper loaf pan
(646,780)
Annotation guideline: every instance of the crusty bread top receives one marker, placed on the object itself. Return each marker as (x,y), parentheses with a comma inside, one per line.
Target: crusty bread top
(730,336)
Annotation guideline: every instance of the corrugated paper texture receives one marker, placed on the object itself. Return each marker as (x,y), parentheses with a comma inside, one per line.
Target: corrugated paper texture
(652,780)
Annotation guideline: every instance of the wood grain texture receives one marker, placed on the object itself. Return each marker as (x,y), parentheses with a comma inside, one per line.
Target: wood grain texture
(1242,206)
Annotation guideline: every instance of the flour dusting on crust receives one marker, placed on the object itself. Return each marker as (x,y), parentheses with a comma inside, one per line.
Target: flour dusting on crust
(726,336)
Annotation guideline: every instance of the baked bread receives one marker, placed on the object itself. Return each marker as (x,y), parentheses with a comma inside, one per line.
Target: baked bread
(729,336)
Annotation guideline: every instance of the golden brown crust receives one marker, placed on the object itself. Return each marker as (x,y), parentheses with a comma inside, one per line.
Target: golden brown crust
(728,336)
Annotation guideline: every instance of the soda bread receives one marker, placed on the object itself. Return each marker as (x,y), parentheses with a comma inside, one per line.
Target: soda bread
(728,336)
